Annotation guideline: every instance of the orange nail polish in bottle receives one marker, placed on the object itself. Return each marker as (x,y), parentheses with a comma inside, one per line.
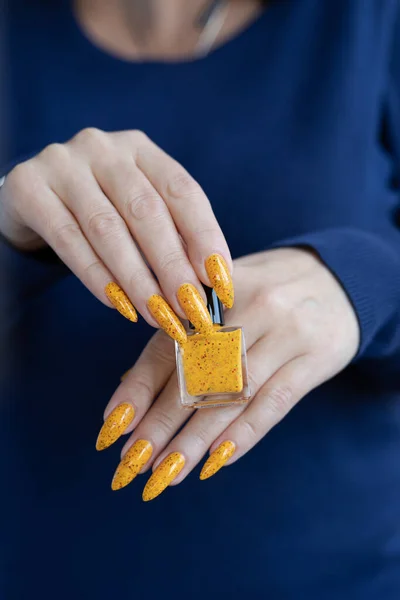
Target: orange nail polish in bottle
(212,366)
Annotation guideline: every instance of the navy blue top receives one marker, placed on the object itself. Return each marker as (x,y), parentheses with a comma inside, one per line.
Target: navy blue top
(293,130)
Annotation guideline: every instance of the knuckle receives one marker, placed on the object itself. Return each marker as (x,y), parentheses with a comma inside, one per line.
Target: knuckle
(301,327)
(55,154)
(162,348)
(206,231)
(260,299)
(64,235)
(24,185)
(103,224)
(89,135)
(142,390)
(91,140)
(139,136)
(137,278)
(182,186)
(250,430)
(200,438)
(145,204)
(91,271)
(272,299)
(163,422)
(19,179)
(280,400)
(18,175)
(173,262)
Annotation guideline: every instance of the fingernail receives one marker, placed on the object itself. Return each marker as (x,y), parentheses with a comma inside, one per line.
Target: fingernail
(132,463)
(163,475)
(166,318)
(217,459)
(120,300)
(194,307)
(115,425)
(220,279)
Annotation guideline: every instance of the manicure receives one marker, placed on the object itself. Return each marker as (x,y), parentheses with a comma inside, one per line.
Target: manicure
(120,301)
(220,278)
(166,318)
(194,307)
(115,425)
(132,463)
(217,459)
(165,473)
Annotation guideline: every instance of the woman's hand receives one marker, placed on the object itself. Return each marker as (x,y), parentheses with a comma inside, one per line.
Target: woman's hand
(301,330)
(116,208)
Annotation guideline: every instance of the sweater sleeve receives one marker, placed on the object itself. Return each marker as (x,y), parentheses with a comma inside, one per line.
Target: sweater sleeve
(367,262)
(23,276)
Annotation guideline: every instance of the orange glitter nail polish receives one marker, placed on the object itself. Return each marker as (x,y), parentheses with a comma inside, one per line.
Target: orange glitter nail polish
(166,318)
(164,475)
(132,463)
(194,308)
(115,424)
(212,365)
(217,459)
(220,279)
(120,301)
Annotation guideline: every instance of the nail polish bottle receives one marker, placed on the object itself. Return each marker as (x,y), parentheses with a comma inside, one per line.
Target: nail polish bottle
(212,366)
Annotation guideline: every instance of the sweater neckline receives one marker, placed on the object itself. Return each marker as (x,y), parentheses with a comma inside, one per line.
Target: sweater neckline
(221,52)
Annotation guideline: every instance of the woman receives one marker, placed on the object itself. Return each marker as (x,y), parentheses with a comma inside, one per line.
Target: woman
(287,115)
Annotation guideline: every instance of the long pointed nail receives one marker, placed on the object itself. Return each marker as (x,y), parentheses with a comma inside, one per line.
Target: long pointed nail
(220,279)
(217,459)
(120,301)
(115,425)
(194,307)
(132,463)
(166,318)
(163,475)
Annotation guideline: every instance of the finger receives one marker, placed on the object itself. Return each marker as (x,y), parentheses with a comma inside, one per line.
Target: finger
(107,232)
(187,449)
(151,225)
(138,390)
(271,404)
(194,218)
(109,236)
(153,433)
(195,438)
(58,227)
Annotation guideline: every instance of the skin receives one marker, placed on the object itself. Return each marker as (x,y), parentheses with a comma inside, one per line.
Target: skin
(98,197)
(155,29)
(301,330)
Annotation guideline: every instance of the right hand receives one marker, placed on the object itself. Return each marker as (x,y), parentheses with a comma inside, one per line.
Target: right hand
(115,208)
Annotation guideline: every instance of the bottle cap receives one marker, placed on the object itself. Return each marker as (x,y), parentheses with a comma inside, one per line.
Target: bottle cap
(214,307)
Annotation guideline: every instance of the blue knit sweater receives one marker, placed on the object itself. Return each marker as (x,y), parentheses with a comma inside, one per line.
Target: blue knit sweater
(293,130)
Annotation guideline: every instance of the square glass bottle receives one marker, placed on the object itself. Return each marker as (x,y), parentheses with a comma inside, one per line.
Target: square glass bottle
(212,366)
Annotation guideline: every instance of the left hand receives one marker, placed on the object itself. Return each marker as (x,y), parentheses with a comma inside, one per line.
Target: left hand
(300,330)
